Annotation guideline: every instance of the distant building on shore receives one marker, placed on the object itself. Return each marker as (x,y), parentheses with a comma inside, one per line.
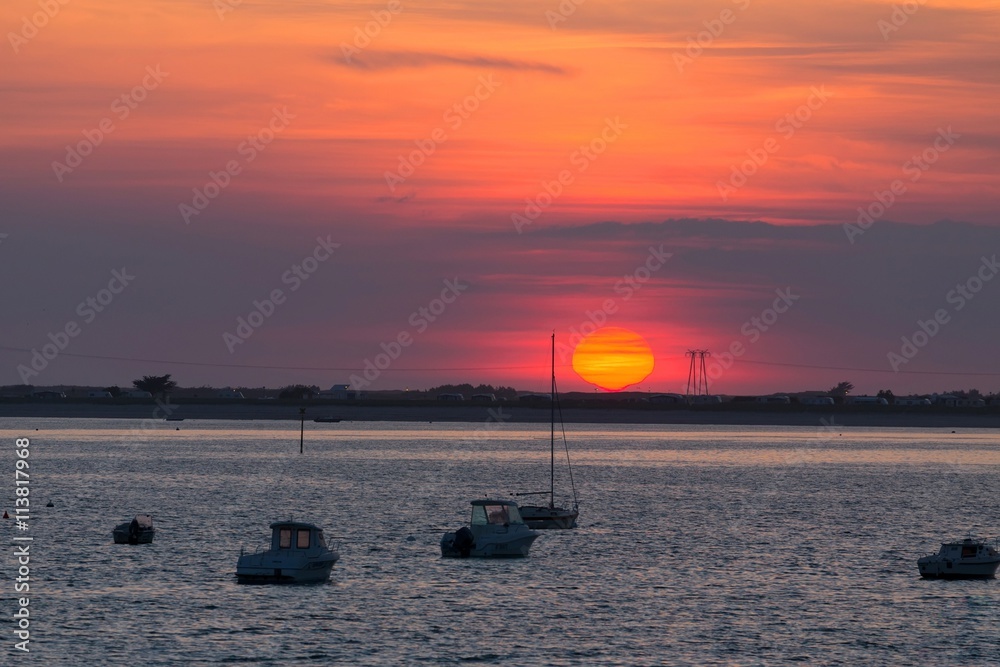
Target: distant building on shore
(229,393)
(911,401)
(136,393)
(816,400)
(953,401)
(669,399)
(866,400)
(341,392)
(48,395)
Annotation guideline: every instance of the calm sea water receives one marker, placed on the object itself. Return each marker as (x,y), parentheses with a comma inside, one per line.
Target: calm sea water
(696,546)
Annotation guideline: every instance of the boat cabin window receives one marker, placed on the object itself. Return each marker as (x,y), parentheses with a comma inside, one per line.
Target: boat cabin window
(968,550)
(303,542)
(497,514)
(478,515)
(285,538)
(321,539)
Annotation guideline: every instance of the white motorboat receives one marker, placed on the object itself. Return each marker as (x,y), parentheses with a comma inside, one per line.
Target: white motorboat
(495,531)
(550,516)
(968,559)
(137,531)
(298,555)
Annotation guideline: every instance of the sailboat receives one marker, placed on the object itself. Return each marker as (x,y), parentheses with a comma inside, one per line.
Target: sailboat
(550,516)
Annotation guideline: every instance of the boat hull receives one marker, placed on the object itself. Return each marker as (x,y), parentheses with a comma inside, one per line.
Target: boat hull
(516,546)
(940,568)
(263,569)
(122,536)
(548,518)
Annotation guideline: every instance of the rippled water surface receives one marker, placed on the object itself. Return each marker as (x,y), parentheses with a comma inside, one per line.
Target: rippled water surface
(696,545)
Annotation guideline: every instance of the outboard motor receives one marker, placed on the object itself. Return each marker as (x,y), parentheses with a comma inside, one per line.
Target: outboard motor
(464,541)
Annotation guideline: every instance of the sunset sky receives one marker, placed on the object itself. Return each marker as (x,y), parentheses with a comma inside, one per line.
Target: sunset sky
(677,169)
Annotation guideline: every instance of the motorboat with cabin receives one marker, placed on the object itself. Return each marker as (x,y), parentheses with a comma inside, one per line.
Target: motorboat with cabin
(298,554)
(496,530)
(137,531)
(967,559)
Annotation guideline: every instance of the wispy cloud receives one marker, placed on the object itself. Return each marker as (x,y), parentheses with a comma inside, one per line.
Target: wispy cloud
(388,60)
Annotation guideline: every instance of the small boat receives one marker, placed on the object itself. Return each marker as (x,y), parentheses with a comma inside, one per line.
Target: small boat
(327,420)
(495,531)
(542,517)
(137,531)
(968,559)
(298,555)
(174,419)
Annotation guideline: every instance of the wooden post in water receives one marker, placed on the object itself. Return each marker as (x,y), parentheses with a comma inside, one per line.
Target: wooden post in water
(302,428)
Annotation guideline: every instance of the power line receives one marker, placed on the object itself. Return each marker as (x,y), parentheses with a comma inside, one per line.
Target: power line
(272,368)
(866,370)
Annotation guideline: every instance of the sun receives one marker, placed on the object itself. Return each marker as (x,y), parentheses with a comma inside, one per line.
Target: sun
(613,358)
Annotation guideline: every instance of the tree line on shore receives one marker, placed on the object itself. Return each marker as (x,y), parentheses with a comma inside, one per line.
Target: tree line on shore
(161,386)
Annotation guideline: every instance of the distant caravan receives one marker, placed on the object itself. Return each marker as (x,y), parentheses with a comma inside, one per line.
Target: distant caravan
(669,399)
(816,400)
(866,400)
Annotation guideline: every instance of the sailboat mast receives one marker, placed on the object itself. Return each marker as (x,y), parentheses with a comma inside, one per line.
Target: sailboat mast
(552,432)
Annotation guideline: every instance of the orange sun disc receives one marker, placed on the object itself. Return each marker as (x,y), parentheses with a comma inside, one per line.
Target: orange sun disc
(613,358)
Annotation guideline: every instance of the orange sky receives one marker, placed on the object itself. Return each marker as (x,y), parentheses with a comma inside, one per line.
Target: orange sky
(665,126)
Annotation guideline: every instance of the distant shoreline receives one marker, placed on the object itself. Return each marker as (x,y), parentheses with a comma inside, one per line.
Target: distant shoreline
(368,411)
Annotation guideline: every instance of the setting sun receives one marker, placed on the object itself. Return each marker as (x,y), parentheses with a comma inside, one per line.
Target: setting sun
(613,358)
